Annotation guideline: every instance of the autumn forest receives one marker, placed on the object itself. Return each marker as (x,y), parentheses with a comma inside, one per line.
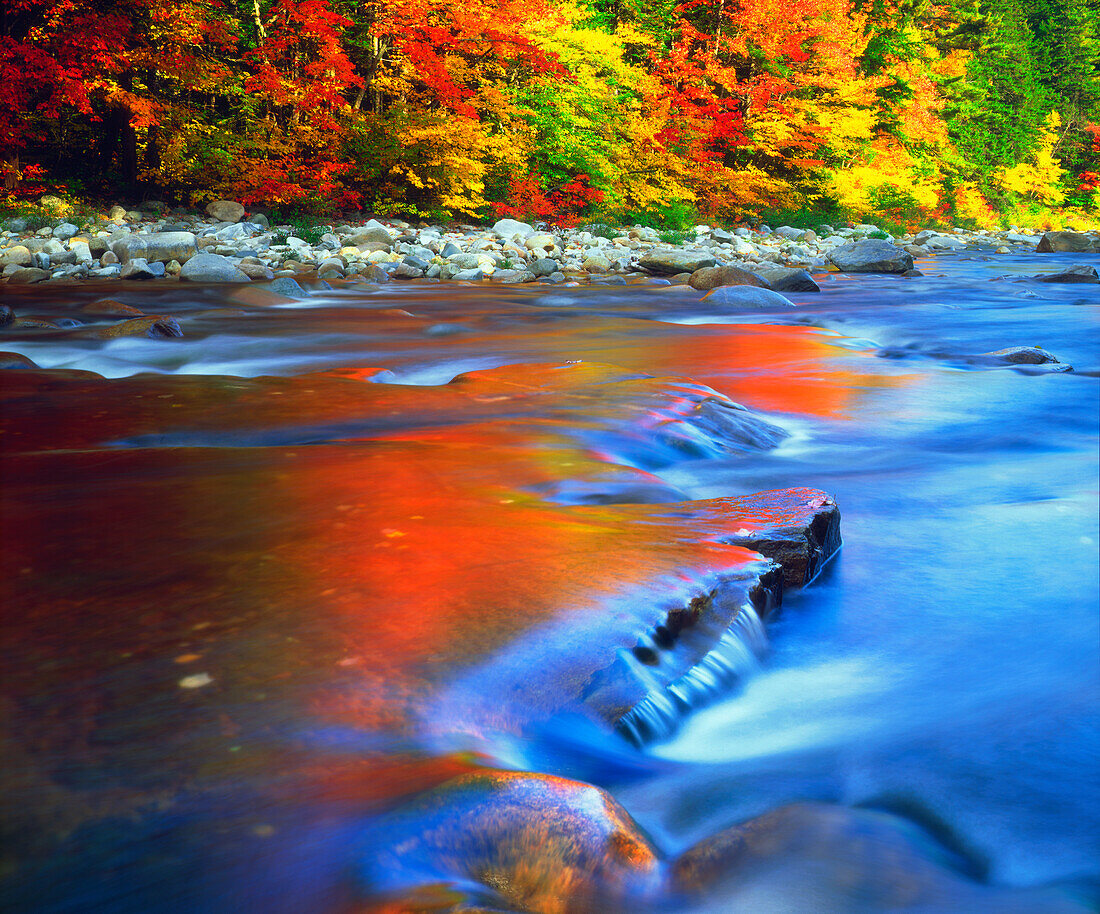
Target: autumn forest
(967,112)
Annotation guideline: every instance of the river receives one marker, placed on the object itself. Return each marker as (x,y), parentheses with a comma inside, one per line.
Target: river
(270,583)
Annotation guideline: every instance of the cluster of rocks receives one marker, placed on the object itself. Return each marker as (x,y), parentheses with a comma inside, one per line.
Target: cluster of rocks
(226,245)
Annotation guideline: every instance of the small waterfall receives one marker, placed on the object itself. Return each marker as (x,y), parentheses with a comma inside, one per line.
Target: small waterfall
(736,655)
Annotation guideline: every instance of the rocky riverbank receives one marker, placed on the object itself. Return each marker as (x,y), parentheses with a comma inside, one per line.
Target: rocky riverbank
(228,245)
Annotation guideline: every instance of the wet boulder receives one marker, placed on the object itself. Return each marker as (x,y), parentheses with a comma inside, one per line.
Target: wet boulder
(709,278)
(787,279)
(818,857)
(671,261)
(1074,242)
(1078,273)
(1028,355)
(15,360)
(533,842)
(871,255)
(153,326)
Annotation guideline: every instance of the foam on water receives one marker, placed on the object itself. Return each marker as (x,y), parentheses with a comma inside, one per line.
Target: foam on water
(729,663)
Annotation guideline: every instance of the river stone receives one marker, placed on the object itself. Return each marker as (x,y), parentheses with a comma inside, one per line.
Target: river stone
(7,316)
(407,271)
(212,268)
(746,297)
(1074,242)
(543,245)
(159,247)
(709,278)
(108,307)
(788,279)
(225,210)
(1024,355)
(513,230)
(819,857)
(15,360)
(1078,273)
(789,232)
(674,261)
(871,255)
(139,268)
(470,275)
(237,231)
(18,254)
(153,326)
(257,271)
(543,266)
(27,275)
(543,843)
(81,250)
(376,238)
(596,263)
(65,231)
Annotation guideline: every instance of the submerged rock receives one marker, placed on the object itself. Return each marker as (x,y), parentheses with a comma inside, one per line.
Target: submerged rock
(871,256)
(819,857)
(154,327)
(746,297)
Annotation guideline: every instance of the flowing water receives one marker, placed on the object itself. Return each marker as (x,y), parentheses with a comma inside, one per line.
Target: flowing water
(274,580)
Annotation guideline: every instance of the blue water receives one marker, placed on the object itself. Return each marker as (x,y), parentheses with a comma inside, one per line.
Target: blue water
(946,665)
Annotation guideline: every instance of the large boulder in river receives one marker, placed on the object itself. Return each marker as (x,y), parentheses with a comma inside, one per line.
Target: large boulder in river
(1081,272)
(212,268)
(159,247)
(544,843)
(1075,242)
(871,255)
(225,211)
(671,261)
(788,279)
(709,278)
(746,297)
(820,857)
(1025,355)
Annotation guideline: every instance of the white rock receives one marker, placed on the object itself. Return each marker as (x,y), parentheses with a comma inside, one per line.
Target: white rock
(513,230)
(212,268)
